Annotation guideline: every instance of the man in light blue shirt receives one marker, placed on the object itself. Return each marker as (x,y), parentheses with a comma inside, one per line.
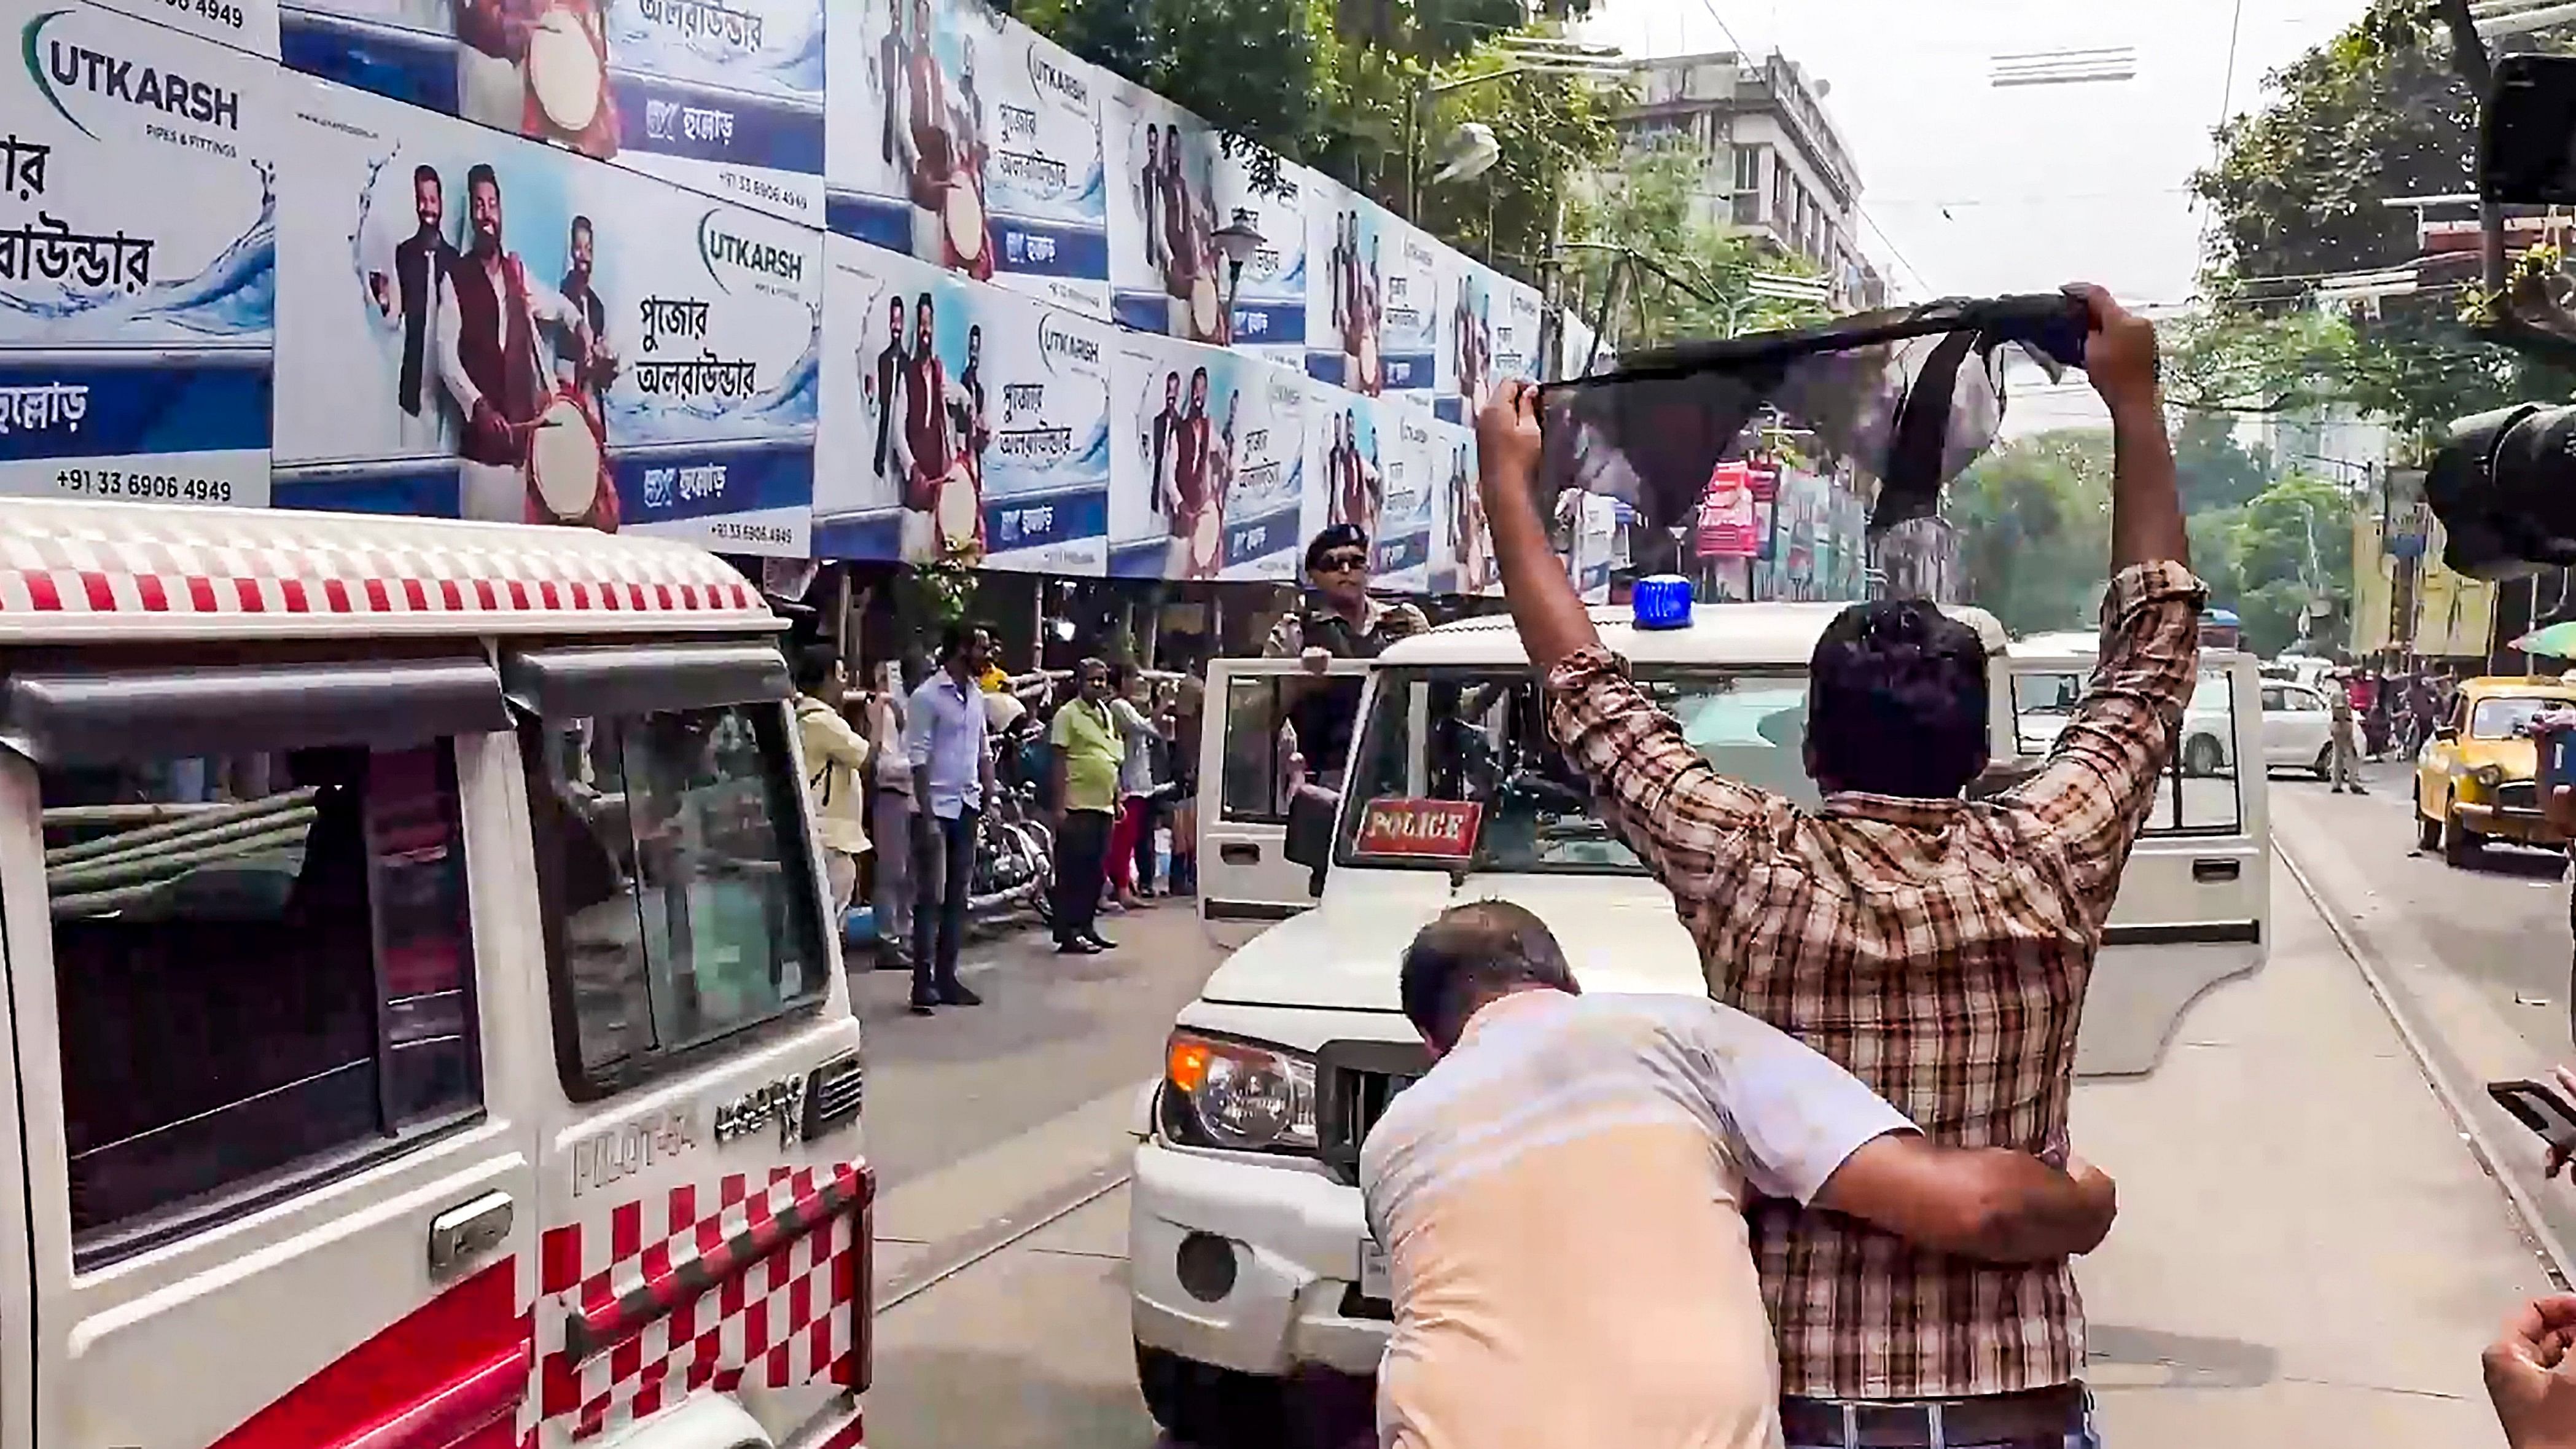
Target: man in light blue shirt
(952,779)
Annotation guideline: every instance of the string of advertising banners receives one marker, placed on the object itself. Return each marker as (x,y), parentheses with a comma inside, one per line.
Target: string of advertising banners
(845,279)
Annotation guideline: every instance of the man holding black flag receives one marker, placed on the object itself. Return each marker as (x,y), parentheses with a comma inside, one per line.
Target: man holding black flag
(1936,947)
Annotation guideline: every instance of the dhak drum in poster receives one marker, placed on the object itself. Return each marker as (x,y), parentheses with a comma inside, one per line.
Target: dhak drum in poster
(1173,185)
(1467,361)
(723,96)
(1351,446)
(1210,463)
(138,263)
(1462,560)
(469,318)
(962,423)
(1374,298)
(882,315)
(962,138)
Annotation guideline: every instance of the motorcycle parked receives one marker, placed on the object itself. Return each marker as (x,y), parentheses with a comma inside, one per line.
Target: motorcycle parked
(1015,852)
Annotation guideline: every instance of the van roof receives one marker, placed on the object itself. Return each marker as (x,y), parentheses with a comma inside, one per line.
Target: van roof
(1746,635)
(84,571)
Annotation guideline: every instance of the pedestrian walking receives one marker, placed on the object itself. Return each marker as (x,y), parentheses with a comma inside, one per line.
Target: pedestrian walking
(1654,1120)
(2343,746)
(1860,926)
(1088,752)
(952,780)
(835,758)
(890,812)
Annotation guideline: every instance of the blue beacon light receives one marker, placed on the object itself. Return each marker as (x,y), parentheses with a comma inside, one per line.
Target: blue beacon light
(1662,602)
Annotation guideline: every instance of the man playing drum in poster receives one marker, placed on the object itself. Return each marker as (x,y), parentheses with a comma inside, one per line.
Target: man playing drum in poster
(1207,543)
(531,455)
(539,68)
(1359,500)
(943,512)
(1193,512)
(1469,543)
(943,161)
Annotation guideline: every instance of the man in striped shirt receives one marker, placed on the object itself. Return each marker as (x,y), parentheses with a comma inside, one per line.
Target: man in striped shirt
(1937,947)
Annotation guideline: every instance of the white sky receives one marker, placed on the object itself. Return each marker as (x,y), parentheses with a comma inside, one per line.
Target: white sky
(1980,191)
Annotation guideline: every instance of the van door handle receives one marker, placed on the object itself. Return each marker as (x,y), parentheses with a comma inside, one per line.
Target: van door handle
(2214,872)
(1239,854)
(468,1231)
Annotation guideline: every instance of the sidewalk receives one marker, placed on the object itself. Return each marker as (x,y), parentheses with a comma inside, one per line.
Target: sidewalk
(2307,1253)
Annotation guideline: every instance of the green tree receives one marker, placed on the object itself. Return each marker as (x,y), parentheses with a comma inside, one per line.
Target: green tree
(1686,277)
(1262,71)
(2291,554)
(1553,133)
(1344,86)
(2034,527)
(2298,192)
(2214,470)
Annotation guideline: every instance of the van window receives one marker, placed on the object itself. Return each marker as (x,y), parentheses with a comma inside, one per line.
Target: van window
(1277,725)
(263,970)
(679,900)
(2198,793)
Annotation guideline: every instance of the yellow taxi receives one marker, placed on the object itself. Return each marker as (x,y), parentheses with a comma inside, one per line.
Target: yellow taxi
(2477,778)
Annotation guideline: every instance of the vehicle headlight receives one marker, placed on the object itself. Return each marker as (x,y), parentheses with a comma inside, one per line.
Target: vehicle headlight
(2487,776)
(1232,1094)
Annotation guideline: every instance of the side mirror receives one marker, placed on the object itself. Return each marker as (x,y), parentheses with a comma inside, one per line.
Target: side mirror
(2445,733)
(1312,811)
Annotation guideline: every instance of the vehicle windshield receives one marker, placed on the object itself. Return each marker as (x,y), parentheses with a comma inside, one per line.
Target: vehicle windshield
(2502,719)
(1448,737)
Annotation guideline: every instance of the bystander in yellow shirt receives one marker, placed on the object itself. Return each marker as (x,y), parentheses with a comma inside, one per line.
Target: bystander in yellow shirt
(1088,739)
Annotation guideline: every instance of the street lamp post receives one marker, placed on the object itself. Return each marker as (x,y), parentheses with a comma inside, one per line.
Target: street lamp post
(1530,55)
(1240,241)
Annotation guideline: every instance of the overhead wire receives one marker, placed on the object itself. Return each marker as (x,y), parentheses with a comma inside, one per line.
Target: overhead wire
(1858,208)
(2226,102)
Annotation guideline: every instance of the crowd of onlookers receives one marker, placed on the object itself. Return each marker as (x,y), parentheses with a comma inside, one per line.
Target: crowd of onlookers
(908,758)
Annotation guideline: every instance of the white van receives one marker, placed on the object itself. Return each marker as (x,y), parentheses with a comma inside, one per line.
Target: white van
(419,1017)
(1248,1257)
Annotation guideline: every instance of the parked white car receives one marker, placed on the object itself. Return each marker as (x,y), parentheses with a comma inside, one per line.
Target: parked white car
(2297,723)
(1248,1256)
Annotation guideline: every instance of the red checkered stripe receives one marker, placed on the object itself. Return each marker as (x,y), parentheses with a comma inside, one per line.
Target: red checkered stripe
(232,565)
(628,1337)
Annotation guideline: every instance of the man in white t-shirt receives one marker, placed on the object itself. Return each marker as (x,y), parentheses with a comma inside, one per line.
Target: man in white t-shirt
(1561,1200)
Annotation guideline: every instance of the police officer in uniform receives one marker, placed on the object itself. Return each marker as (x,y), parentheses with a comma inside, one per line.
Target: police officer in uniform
(1336,619)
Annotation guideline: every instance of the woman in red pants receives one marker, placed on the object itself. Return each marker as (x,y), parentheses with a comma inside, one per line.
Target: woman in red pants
(1135,790)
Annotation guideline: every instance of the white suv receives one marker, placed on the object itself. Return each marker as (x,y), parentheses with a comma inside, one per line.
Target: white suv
(1248,1257)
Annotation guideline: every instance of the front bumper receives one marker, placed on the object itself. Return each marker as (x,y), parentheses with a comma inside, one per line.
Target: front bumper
(1295,1233)
(2505,822)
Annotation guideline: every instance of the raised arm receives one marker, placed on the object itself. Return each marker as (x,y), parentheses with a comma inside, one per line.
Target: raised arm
(2099,781)
(1686,821)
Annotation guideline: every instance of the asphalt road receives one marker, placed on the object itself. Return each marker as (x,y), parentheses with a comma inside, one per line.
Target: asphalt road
(1000,1137)
(2474,963)
(1001,1134)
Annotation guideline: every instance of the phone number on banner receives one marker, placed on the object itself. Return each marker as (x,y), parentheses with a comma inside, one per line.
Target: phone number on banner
(728,530)
(140,487)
